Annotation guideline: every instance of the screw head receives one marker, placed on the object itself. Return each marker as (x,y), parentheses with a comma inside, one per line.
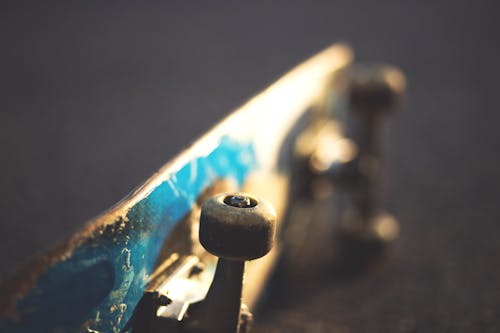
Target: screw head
(237,226)
(240,201)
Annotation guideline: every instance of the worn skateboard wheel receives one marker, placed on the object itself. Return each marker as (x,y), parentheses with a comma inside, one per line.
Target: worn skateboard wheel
(237,226)
(375,87)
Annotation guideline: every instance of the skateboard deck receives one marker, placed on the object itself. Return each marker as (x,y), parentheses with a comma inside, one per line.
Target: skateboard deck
(93,281)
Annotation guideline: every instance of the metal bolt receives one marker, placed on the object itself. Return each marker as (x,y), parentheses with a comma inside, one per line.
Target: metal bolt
(246,319)
(197,269)
(163,300)
(240,201)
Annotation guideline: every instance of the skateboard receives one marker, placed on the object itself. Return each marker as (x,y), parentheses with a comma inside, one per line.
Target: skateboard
(142,258)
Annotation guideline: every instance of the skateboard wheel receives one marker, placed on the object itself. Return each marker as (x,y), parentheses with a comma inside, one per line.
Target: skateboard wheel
(375,87)
(237,226)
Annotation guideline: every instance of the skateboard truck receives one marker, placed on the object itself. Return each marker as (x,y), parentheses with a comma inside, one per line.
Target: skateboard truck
(344,152)
(234,227)
(372,92)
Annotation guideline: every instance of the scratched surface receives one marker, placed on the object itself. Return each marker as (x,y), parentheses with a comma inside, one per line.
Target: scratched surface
(104,277)
(94,280)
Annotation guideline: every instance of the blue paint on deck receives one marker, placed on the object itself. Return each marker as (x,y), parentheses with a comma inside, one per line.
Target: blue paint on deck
(102,281)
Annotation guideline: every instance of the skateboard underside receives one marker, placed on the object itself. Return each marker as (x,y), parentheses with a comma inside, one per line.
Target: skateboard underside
(93,281)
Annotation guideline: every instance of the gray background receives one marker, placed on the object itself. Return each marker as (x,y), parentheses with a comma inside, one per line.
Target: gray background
(96,96)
